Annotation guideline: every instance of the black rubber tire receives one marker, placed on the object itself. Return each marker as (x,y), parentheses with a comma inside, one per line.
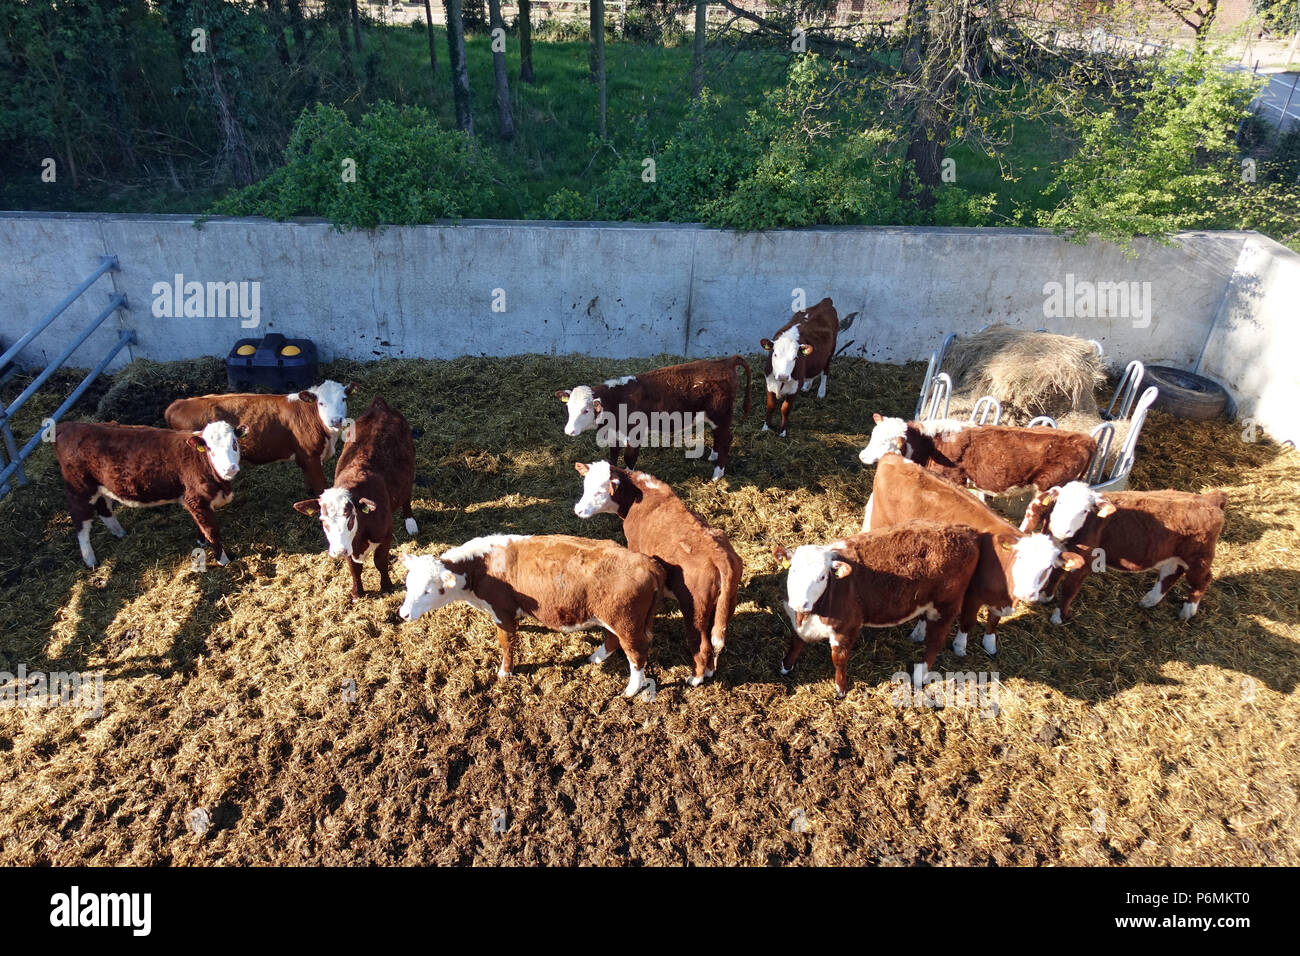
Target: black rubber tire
(1184,394)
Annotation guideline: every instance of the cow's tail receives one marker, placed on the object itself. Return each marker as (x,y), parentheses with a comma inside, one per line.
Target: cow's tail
(728,585)
(739,360)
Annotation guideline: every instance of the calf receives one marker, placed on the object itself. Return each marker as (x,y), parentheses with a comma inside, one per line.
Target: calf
(679,396)
(992,458)
(373,480)
(138,466)
(1012,566)
(304,426)
(801,350)
(1170,532)
(703,568)
(566,583)
(877,579)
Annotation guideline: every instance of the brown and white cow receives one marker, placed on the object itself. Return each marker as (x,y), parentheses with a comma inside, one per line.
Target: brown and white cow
(703,569)
(628,411)
(877,579)
(992,458)
(566,583)
(1170,532)
(372,482)
(1013,566)
(304,426)
(138,466)
(801,350)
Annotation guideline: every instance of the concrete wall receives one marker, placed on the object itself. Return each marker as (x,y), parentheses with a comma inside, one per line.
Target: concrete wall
(620,290)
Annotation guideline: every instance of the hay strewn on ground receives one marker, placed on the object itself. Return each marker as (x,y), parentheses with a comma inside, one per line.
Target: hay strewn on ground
(1126,737)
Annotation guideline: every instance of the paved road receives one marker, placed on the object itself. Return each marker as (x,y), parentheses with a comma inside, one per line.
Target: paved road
(1272,100)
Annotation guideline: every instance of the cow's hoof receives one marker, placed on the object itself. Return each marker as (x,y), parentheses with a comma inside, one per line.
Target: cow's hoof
(918,632)
(1189,609)
(695,680)
(718,473)
(765,428)
(783,433)
(90,563)
(224,559)
(713,456)
(991,644)
(1056,617)
(1150,599)
(839,694)
(959,644)
(502,672)
(411,526)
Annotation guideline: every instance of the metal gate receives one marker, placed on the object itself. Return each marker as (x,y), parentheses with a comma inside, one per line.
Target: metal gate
(11,456)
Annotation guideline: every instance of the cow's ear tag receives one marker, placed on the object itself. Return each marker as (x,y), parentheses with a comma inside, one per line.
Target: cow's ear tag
(241,431)
(766,344)
(1008,546)
(365,506)
(197,443)
(805,349)
(841,569)
(563,394)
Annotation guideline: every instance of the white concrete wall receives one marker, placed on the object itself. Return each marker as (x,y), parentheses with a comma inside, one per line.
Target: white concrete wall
(1254,349)
(622,290)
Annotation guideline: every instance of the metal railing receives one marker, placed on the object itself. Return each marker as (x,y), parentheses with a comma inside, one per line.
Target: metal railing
(11,456)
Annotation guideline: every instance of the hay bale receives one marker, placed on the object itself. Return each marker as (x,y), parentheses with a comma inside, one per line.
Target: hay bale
(141,392)
(1030,373)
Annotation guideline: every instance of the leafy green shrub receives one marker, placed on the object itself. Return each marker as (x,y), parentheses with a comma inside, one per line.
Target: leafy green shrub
(408,169)
(566,204)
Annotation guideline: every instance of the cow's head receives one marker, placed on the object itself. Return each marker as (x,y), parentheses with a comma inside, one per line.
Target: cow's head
(1033,559)
(331,401)
(811,569)
(784,354)
(429,585)
(339,517)
(889,435)
(598,487)
(220,442)
(1066,509)
(584,409)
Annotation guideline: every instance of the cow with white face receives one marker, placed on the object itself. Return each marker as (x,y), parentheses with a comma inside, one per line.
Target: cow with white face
(877,579)
(566,583)
(800,351)
(142,467)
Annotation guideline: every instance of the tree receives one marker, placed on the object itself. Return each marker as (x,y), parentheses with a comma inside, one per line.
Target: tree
(433,49)
(1197,14)
(459,68)
(505,119)
(356,25)
(526,41)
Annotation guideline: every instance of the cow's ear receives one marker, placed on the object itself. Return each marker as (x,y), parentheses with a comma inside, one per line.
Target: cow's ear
(766,344)
(349,387)
(1106,510)
(241,431)
(805,349)
(782,555)
(877,418)
(899,445)
(310,507)
(196,442)
(597,407)
(1070,560)
(449,579)
(841,569)
(581,467)
(613,483)
(309,397)
(563,394)
(365,506)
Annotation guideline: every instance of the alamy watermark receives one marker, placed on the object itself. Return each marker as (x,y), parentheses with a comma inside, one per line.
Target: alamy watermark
(40,689)
(638,429)
(178,299)
(978,690)
(1085,299)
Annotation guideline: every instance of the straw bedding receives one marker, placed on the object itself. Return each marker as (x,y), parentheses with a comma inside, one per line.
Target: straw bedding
(309,730)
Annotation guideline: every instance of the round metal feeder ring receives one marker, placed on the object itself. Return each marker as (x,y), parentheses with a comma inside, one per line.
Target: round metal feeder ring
(1185,394)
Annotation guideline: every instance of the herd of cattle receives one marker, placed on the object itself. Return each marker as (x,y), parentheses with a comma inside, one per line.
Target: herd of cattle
(930,549)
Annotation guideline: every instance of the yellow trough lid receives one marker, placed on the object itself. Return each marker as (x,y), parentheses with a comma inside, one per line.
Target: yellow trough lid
(291,350)
(246,350)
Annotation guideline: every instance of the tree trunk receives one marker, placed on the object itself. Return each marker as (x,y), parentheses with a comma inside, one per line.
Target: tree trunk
(356,26)
(591,33)
(697,57)
(459,68)
(526,41)
(598,47)
(505,120)
(914,30)
(276,11)
(298,28)
(433,49)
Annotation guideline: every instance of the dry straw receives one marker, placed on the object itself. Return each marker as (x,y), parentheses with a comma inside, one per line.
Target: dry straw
(313,731)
